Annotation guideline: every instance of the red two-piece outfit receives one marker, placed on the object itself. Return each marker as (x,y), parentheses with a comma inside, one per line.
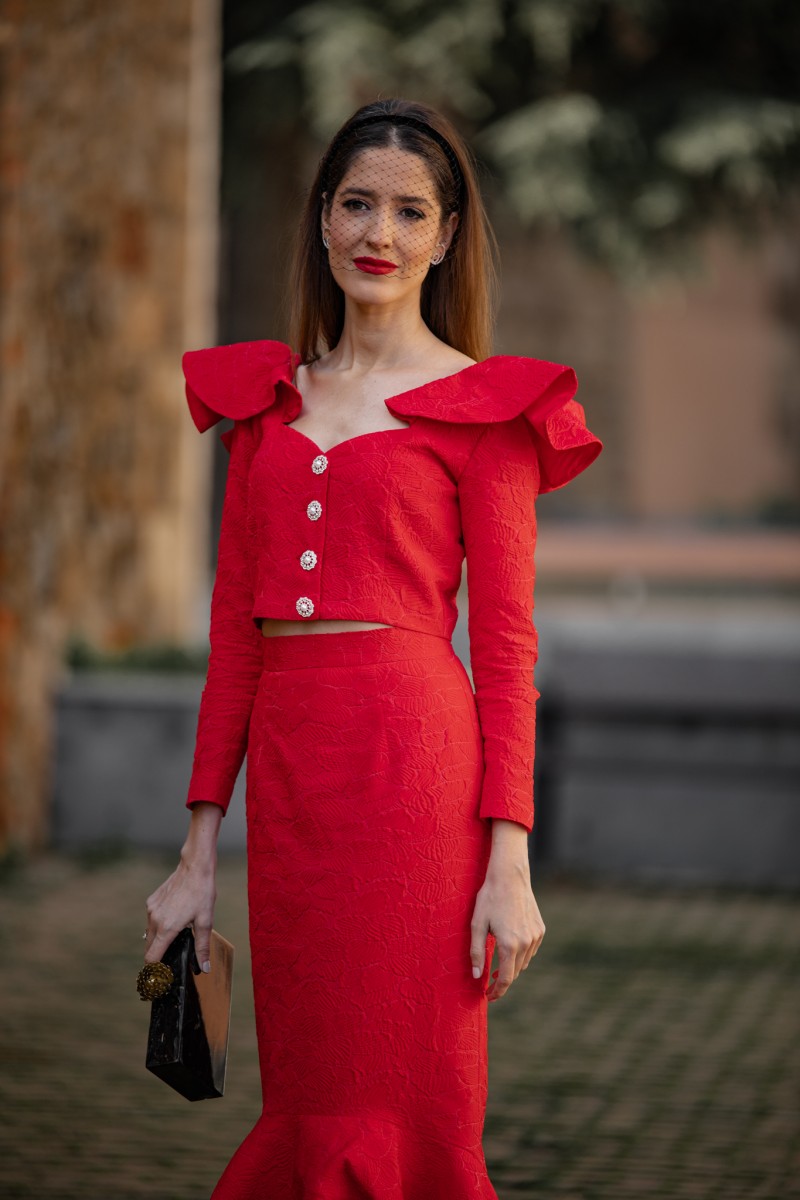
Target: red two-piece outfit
(372,766)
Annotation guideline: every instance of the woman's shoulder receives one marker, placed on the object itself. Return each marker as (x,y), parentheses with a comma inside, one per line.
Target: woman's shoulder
(453,360)
(497,388)
(505,388)
(236,380)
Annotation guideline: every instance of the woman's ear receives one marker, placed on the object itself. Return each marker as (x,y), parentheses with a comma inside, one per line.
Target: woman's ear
(325,218)
(448,231)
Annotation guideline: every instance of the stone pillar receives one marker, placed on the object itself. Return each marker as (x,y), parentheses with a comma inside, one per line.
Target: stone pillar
(109,128)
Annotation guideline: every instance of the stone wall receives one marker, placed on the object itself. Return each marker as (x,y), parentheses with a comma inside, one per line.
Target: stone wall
(689,381)
(714,413)
(108,220)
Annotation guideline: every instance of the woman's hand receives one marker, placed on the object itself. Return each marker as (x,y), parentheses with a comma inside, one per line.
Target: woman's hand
(506,905)
(188,896)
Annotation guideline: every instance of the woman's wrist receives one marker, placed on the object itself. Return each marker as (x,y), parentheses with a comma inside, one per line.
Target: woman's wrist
(200,847)
(509,845)
(508,833)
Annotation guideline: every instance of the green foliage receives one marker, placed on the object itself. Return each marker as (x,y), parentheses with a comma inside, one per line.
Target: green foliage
(161,656)
(634,124)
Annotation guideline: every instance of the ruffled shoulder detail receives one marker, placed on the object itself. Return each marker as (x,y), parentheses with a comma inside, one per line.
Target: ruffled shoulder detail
(235,381)
(507,386)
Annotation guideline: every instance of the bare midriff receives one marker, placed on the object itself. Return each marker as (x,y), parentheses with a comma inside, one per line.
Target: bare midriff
(272,626)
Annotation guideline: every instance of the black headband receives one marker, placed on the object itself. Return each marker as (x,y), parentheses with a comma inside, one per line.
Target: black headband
(416,123)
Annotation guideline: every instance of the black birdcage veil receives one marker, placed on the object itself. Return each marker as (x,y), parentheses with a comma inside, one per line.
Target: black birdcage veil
(391,198)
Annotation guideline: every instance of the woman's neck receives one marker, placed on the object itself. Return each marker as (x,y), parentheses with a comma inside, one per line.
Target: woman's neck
(381,338)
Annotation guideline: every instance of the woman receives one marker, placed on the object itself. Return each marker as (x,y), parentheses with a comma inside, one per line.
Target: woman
(388,806)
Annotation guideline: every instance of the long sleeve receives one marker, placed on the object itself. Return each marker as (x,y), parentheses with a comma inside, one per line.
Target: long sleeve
(497,495)
(235,660)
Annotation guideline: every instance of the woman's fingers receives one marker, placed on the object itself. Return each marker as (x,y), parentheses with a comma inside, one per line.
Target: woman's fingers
(515,955)
(477,950)
(186,898)
(202,944)
(534,945)
(160,944)
(506,972)
(517,924)
(512,959)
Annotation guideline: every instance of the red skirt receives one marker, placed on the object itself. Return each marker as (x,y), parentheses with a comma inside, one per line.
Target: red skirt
(365,855)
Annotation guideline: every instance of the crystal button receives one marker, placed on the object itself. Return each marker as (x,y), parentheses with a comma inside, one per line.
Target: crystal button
(319,464)
(314,510)
(308,559)
(305,606)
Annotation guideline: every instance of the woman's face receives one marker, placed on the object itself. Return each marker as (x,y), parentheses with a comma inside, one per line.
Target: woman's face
(385,225)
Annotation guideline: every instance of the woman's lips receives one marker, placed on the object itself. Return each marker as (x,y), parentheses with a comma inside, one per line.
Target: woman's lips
(375,266)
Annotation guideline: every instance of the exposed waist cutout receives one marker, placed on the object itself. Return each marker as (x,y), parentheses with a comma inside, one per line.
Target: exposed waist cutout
(274,627)
(370,643)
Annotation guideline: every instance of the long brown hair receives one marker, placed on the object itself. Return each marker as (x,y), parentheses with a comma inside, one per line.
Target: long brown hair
(459,297)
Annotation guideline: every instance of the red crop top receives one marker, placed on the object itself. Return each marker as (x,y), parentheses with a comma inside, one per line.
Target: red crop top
(377,528)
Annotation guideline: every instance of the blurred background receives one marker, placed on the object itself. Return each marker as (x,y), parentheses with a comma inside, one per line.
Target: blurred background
(640,160)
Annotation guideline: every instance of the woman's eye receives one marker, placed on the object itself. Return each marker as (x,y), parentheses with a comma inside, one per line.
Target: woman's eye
(355,205)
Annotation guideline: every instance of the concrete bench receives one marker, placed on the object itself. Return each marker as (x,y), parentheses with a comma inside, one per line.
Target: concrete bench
(667,752)
(670,752)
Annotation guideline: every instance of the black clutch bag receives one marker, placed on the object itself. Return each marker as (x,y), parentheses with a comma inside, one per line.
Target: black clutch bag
(187,1044)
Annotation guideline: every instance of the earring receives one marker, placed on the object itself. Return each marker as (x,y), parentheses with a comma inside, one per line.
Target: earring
(435,261)
(325,243)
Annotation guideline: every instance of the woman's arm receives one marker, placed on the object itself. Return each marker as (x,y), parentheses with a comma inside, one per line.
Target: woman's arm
(188,896)
(497,497)
(236,657)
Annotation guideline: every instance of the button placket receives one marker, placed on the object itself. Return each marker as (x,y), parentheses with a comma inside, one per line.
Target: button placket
(308,559)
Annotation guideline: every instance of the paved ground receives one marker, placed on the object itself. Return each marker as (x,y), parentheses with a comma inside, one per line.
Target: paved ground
(652,1049)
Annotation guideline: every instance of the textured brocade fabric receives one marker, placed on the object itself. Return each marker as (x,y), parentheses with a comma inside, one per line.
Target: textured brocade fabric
(235,658)
(497,496)
(365,854)
(353,1158)
(400,510)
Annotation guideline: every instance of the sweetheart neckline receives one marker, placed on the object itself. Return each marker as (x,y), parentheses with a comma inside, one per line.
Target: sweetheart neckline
(387,401)
(346,441)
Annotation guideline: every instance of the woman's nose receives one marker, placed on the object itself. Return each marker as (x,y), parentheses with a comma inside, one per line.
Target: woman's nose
(380,230)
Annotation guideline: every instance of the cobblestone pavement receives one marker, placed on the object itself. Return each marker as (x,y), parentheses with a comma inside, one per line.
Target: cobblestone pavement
(651,1050)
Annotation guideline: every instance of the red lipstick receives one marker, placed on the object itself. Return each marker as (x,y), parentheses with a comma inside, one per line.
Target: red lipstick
(375,266)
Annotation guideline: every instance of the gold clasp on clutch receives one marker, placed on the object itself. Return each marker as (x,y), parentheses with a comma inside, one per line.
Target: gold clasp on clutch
(154,980)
